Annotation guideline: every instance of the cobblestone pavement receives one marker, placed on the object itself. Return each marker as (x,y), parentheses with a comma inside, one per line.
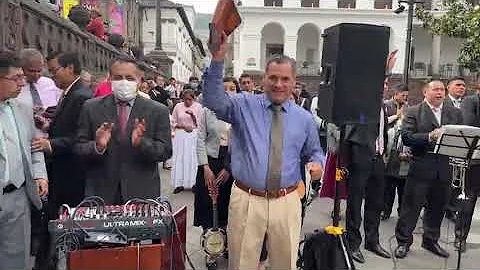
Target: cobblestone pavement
(318,216)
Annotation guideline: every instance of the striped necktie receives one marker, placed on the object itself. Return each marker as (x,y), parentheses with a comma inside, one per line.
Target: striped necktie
(37,102)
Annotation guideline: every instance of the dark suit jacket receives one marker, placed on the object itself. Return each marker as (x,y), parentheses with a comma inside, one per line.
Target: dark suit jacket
(471,110)
(418,122)
(366,136)
(159,95)
(66,173)
(134,169)
(390,107)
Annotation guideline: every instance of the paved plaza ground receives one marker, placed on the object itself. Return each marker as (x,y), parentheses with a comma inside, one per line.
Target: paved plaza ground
(318,216)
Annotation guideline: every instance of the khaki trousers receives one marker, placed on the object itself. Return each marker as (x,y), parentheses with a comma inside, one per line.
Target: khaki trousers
(250,217)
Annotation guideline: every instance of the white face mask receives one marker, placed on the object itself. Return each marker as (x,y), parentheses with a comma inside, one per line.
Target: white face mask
(124,90)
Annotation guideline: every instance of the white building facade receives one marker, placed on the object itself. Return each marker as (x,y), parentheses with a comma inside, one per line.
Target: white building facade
(295,27)
(178,39)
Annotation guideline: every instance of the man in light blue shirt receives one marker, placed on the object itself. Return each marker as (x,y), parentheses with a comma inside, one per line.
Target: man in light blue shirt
(270,135)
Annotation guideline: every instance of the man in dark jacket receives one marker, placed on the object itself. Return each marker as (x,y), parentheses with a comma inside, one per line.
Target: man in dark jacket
(158,92)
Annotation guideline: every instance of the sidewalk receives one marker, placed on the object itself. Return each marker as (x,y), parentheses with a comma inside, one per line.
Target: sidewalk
(318,216)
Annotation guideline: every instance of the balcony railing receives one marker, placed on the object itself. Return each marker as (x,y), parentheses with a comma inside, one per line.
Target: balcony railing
(27,24)
(422,70)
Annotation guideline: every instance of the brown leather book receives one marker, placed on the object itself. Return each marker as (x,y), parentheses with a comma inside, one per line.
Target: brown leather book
(226,18)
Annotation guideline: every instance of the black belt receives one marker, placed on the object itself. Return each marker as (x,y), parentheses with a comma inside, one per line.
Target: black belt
(11,188)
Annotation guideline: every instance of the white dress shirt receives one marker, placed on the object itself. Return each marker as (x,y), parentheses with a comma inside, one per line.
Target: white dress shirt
(457,102)
(437,112)
(47,90)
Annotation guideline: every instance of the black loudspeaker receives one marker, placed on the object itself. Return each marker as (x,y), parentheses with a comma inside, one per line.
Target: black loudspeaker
(353,71)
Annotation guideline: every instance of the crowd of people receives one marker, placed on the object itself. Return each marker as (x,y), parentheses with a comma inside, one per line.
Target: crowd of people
(62,139)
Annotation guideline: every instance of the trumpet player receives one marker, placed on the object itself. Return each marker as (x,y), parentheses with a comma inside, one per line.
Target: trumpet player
(428,182)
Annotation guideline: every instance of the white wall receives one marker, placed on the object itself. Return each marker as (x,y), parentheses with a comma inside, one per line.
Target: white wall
(251,47)
(422,42)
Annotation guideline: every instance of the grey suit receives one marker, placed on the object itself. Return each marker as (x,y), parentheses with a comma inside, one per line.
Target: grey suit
(123,170)
(15,205)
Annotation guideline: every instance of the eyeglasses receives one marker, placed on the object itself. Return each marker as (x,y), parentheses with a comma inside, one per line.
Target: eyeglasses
(16,78)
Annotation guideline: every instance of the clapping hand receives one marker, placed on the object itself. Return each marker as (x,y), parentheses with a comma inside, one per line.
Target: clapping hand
(103,135)
(138,132)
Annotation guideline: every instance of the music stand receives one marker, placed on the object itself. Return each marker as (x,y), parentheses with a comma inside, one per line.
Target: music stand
(461,144)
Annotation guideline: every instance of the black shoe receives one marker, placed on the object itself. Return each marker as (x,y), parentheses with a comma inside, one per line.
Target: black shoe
(358,256)
(460,245)
(384,216)
(401,251)
(435,248)
(178,190)
(379,250)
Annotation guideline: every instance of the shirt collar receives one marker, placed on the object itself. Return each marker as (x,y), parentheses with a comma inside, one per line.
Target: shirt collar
(70,86)
(433,107)
(455,99)
(267,103)
(130,103)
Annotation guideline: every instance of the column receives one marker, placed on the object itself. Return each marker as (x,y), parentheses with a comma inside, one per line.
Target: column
(291,3)
(290,46)
(328,4)
(365,4)
(435,60)
(320,48)
(399,44)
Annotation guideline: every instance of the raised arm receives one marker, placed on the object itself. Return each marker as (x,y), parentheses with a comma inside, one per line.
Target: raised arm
(214,96)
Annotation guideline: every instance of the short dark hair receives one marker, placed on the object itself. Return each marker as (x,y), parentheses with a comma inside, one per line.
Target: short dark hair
(401,87)
(228,79)
(282,59)
(245,75)
(52,55)
(70,58)
(456,78)
(188,92)
(192,78)
(123,59)
(8,60)
(172,79)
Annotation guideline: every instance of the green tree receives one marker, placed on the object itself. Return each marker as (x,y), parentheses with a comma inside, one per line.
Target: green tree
(461,20)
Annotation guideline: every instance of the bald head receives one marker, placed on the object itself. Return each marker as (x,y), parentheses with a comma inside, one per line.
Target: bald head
(434,93)
(33,64)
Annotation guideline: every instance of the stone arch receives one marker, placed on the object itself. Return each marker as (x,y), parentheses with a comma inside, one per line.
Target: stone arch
(308,48)
(272,41)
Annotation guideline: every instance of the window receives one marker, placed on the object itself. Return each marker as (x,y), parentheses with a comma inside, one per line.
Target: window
(310,3)
(346,3)
(273,3)
(383,4)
